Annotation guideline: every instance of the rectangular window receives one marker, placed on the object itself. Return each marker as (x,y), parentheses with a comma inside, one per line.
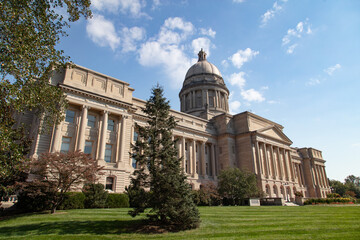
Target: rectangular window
(91,120)
(133,163)
(65,144)
(88,147)
(135,136)
(186,147)
(69,116)
(108,153)
(109,183)
(111,125)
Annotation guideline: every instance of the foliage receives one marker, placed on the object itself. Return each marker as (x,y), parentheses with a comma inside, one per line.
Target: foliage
(159,170)
(327,201)
(30,30)
(62,171)
(299,194)
(333,195)
(138,196)
(235,185)
(352,183)
(207,195)
(117,200)
(35,196)
(95,195)
(73,200)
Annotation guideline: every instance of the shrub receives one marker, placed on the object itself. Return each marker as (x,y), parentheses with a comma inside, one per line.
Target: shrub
(298,194)
(95,195)
(117,200)
(35,196)
(333,195)
(73,200)
(327,201)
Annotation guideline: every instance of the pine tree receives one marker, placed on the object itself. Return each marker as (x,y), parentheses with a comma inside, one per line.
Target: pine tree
(159,182)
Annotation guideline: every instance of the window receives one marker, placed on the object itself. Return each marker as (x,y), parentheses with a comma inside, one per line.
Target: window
(136,135)
(65,144)
(111,125)
(69,116)
(91,120)
(88,147)
(109,183)
(133,163)
(186,147)
(108,153)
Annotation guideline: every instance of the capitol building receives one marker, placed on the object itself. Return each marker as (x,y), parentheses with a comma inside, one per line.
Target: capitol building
(102,112)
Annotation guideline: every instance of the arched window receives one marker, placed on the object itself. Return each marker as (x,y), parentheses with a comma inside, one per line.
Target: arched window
(109,183)
(275,191)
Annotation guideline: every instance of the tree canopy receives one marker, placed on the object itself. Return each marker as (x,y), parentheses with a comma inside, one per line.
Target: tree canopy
(158,170)
(30,31)
(235,185)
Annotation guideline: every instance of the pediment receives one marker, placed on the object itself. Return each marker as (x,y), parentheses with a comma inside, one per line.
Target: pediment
(275,133)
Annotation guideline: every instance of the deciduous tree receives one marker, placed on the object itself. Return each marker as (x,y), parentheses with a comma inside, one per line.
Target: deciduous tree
(30,31)
(235,185)
(63,172)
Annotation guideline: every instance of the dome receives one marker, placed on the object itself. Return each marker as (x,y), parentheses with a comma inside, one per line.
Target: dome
(203,71)
(202,67)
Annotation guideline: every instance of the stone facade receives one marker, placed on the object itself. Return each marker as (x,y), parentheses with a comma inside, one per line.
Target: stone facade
(102,114)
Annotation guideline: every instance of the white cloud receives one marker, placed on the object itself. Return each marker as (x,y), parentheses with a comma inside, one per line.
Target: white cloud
(272,102)
(130,37)
(102,32)
(224,63)
(293,34)
(270,13)
(252,95)
(133,7)
(242,56)
(238,1)
(332,69)
(313,81)
(237,79)
(208,32)
(156,3)
(167,50)
(234,106)
(201,43)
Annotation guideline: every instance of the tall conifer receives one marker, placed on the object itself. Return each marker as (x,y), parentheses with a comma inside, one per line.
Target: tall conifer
(159,182)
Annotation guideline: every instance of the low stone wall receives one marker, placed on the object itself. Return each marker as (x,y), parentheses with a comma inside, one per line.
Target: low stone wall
(272,202)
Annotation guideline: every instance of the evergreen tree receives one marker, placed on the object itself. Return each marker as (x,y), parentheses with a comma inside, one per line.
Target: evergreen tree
(158,170)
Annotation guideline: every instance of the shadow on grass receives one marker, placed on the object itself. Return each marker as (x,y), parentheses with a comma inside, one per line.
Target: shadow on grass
(74,227)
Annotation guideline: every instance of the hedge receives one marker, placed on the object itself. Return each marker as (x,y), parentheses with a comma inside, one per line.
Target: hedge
(327,201)
(117,200)
(73,200)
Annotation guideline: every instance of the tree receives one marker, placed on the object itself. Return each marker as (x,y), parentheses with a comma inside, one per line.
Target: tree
(159,170)
(30,30)
(207,195)
(337,187)
(61,172)
(95,195)
(235,185)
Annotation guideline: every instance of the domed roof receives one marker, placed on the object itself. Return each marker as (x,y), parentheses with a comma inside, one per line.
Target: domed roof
(202,67)
(202,73)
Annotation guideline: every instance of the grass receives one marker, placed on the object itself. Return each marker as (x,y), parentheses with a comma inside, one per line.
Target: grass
(308,222)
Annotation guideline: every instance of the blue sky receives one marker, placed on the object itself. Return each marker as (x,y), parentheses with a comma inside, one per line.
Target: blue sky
(294,62)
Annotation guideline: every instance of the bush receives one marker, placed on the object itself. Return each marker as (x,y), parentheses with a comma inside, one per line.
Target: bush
(327,201)
(333,195)
(117,200)
(95,195)
(73,200)
(35,196)
(298,194)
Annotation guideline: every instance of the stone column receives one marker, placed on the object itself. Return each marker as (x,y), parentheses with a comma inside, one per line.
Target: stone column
(121,140)
(207,98)
(193,163)
(103,136)
(183,153)
(203,164)
(280,165)
(291,167)
(286,169)
(82,128)
(326,180)
(258,159)
(189,162)
(194,99)
(267,161)
(213,159)
(273,162)
(56,138)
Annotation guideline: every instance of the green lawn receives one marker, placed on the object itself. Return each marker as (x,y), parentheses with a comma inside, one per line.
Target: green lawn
(309,222)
